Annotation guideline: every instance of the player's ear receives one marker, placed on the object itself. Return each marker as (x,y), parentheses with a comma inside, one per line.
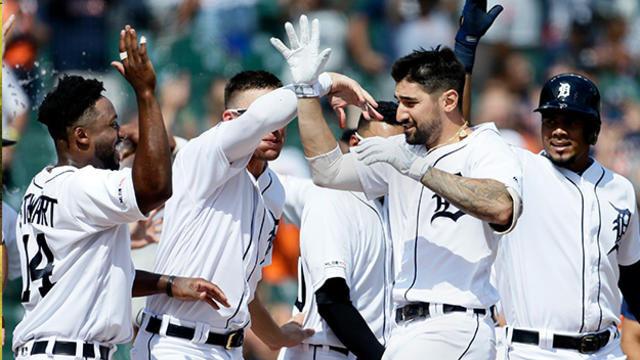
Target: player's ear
(80,136)
(449,100)
(353,140)
(227,115)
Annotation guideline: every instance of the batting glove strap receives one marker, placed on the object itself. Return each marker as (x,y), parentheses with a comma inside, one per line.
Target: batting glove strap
(418,168)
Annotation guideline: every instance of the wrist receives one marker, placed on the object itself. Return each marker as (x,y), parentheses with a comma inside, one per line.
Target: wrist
(466,53)
(307,90)
(145,94)
(169,286)
(325,82)
(418,168)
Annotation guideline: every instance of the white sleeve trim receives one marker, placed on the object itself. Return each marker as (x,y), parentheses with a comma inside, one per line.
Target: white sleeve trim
(517,211)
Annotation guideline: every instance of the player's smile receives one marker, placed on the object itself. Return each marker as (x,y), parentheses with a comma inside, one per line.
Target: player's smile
(564,140)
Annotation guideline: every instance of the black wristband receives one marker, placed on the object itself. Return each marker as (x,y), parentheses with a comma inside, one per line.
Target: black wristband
(169,283)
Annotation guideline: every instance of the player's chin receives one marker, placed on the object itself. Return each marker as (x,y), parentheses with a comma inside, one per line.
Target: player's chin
(267,155)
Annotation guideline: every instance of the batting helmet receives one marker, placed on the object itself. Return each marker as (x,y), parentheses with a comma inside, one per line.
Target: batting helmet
(573,93)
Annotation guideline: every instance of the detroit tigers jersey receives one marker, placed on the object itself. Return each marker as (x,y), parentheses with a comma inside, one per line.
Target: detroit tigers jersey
(444,255)
(558,269)
(74,246)
(345,235)
(219,225)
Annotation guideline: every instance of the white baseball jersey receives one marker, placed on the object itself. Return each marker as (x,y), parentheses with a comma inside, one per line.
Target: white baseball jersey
(297,191)
(74,246)
(219,225)
(558,269)
(344,235)
(444,255)
(9,219)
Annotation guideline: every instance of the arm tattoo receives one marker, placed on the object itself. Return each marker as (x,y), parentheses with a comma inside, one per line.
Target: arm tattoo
(485,199)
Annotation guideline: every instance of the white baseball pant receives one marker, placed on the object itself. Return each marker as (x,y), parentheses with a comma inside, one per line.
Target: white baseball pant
(312,352)
(450,336)
(149,346)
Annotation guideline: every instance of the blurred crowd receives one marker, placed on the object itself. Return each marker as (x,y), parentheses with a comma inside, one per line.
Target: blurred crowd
(196,44)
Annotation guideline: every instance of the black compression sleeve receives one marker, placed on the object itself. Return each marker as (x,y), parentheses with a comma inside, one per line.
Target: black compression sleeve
(346,322)
(628,284)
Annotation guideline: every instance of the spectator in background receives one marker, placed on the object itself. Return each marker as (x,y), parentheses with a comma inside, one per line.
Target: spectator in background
(426,25)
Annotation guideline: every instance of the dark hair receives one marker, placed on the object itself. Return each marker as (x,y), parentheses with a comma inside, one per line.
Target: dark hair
(435,70)
(250,79)
(388,109)
(346,135)
(64,105)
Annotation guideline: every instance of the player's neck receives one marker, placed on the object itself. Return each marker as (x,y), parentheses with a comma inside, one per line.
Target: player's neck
(256,167)
(65,160)
(452,136)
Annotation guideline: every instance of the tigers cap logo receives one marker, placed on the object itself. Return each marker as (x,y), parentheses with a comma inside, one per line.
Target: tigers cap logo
(564,90)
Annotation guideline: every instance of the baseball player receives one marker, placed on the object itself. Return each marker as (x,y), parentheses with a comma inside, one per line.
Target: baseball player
(72,228)
(451,190)
(577,243)
(221,222)
(345,273)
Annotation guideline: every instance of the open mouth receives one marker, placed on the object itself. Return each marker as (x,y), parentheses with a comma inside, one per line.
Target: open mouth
(560,146)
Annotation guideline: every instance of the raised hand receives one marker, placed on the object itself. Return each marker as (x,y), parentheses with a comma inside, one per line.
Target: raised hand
(346,91)
(135,66)
(376,149)
(304,59)
(474,23)
(146,231)
(193,289)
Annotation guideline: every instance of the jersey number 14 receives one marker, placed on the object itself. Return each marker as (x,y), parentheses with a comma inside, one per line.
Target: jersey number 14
(33,272)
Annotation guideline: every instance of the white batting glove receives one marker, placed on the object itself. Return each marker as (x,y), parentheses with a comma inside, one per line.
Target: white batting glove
(378,149)
(304,59)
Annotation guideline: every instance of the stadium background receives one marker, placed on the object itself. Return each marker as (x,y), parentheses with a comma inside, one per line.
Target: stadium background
(196,44)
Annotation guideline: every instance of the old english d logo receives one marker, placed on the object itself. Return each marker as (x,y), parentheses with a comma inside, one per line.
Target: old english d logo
(620,224)
(564,90)
(442,206)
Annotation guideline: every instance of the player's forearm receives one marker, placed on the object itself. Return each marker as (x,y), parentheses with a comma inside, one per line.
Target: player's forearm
(147,283)
(351,329)
(335,170)
(317,138)
(466,99)
(263,325)
(152,164)
(268,113)
(484,199)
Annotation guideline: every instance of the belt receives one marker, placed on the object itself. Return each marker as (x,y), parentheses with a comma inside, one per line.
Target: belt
(69,348)
(417,310)
(231,340)
(586,344)
(342,351)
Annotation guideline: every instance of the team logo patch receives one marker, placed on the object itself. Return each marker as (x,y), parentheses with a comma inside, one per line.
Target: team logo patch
(564,90)
(620,224)
(442,209)
(335,264)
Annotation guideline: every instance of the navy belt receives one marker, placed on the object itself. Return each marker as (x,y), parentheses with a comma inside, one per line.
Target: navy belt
(586,344)
(69,348)
(421,309)
(231,340)
(342,351)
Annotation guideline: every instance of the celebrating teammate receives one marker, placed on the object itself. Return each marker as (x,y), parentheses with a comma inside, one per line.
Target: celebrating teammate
(72,225)
(345,268)
(450,189)
(221,222)
(577,241)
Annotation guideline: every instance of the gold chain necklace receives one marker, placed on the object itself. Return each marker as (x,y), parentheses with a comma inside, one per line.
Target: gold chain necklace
(460,134)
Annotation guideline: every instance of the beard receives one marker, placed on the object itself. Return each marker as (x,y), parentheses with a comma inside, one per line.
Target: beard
(107,155)
(424,134)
